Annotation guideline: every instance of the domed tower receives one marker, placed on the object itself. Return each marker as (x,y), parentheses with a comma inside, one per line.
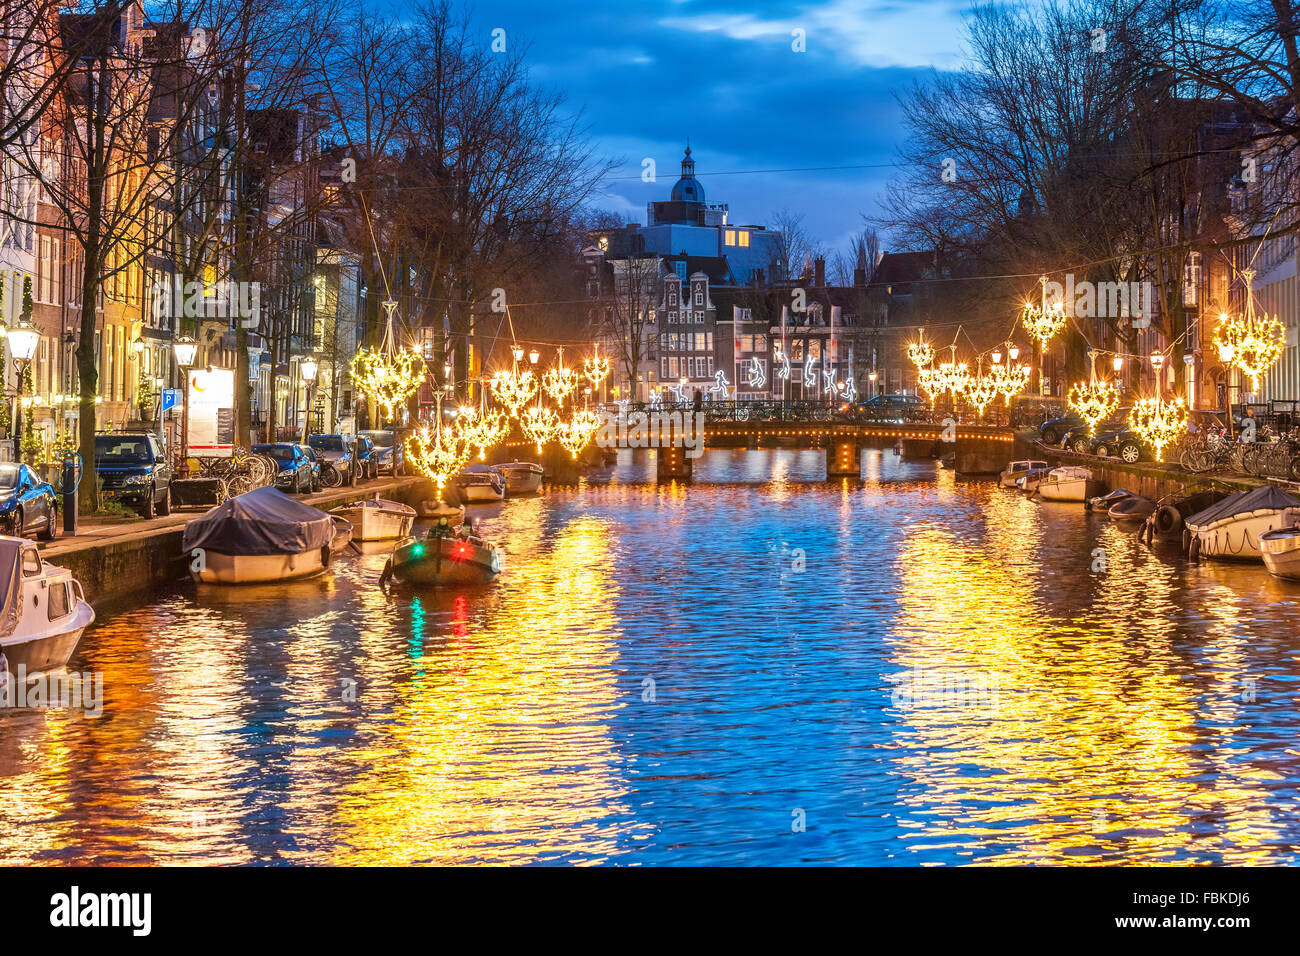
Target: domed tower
(688,188)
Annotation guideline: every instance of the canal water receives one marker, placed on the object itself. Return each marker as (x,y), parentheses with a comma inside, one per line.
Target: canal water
(757,668)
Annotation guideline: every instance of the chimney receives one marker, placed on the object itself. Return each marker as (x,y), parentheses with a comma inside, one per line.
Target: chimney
(819,273)
(859,278)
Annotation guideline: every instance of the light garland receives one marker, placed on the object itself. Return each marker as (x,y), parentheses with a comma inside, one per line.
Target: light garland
(1159,423)
(1251,343)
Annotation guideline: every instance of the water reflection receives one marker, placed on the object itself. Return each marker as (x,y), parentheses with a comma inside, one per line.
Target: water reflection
(666,673)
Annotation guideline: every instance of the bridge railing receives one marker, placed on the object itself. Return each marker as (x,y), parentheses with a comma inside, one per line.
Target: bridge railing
(791,411)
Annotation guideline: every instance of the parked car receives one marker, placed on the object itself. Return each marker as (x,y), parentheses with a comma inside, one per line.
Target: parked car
(1079,439)
(336,450)
(27,504)
(893,407)
(1122,443)
(366,456)
(133,469)
(1054,429)
(317,482)
(294,469)
(386,447)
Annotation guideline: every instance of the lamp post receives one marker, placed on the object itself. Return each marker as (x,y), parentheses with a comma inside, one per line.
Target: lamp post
(307,368)
(185,348)
(872,378)
(23,339)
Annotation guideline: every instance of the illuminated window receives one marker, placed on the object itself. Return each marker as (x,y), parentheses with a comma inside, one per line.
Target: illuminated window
(729,237)
(744,239)
(209,282)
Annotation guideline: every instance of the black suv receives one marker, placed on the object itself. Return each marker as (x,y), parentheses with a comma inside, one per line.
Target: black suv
(134,470)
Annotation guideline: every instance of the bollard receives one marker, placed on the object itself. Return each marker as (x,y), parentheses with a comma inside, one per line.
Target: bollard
(69,495)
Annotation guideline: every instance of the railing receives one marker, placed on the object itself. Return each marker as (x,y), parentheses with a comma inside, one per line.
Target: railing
(802,411)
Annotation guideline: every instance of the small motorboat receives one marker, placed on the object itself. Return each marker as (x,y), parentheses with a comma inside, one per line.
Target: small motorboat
(1028,482)
(262,535)
(43,612)
(1105,502)
(479,483)
(1280,550)
(443,558)
(1134,508)
(522,477)
(1169,518)
(377,519)
(342,533)
(1069,483)
(1017,468)
(1231,528)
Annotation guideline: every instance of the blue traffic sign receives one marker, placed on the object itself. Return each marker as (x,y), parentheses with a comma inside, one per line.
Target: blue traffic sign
(171,397)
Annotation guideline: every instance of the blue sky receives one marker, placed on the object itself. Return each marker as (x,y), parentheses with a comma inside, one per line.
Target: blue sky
(649,74)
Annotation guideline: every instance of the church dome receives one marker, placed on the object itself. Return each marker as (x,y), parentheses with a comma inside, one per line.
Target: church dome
(688,188)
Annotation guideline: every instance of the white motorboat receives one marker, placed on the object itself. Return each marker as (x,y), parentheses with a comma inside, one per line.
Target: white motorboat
(43,612)
(260,536)
(479,483)
(522,477)
(377,519)
(1232,528)
(1018,468)
(1280,548)
(1069,483)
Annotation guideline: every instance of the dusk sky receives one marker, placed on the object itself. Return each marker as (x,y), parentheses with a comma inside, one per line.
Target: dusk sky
(722,72)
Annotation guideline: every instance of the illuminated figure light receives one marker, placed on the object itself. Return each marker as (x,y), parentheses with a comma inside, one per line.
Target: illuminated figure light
(679,392)
(1250,342)
(720,388)
(921,353)
(828,383)
(1093,401)
(539,425)
(850,391)
(574,434)
(1159,423)
(809,374)
(657,398)
(783,372)
(981,391)
(514,389)
(755,376)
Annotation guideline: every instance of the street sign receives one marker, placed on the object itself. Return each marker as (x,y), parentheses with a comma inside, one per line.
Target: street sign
(171,397)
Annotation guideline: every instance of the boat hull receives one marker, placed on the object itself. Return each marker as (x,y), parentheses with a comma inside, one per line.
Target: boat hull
(1281,553)
(522,478)
(370,523)
(477,494)
(219,568)
(443,562)
(1236,538)
(1072,489)
(48,651)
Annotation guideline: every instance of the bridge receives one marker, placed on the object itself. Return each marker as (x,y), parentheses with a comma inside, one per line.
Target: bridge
(671,429)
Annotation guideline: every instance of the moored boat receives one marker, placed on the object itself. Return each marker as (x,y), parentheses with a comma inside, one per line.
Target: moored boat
(1280,550)
(479,483)
(1104,503)
(1132,508)
(1017,468)
(1028,482)
(262,535)
(1069,483)
(1231,528)
(521,477)
(43,612)
(377,519)
(443,558)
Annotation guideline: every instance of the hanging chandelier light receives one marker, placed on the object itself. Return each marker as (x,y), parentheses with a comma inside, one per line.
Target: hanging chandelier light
(1043,322)
(539,425)
(574,434)
(388,375)
(954,377)
(560,382)
(1158,422)
(930,381)
(921,352)
(440,452)
(1094,400)
(980,391)
(1250,342)
(596,369)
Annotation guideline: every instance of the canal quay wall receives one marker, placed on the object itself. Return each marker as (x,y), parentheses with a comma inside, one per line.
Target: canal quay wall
(146,554)
(1150,479)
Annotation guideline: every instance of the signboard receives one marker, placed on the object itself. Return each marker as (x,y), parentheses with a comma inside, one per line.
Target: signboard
(211,413)
(171,398)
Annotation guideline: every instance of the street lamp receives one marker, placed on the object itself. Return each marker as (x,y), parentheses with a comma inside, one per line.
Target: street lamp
(185,349)
(872,378)
(307,368)
(23,339)
(518,353)
(533,356)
